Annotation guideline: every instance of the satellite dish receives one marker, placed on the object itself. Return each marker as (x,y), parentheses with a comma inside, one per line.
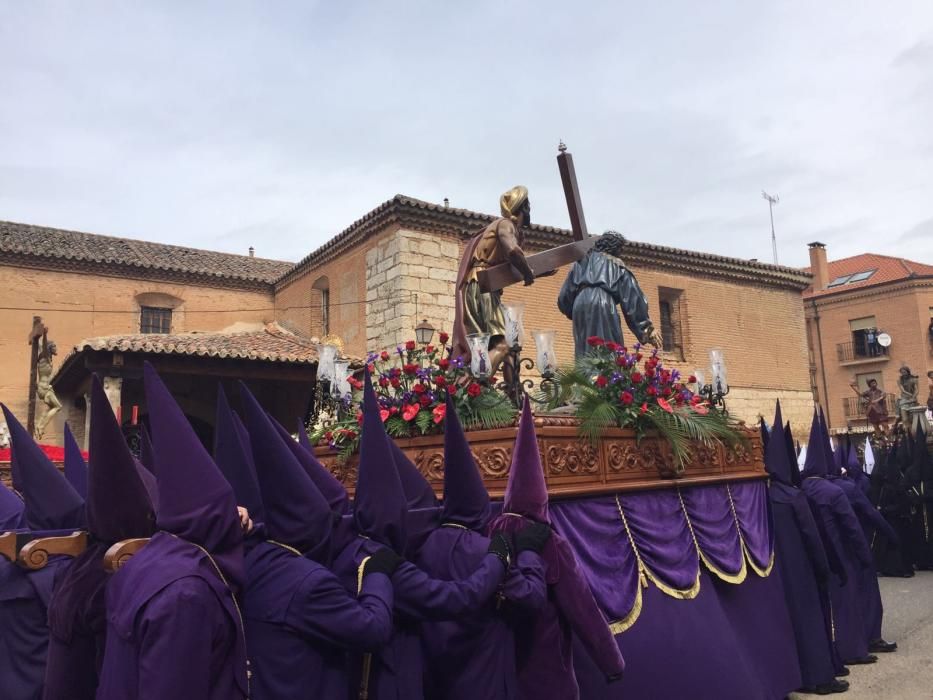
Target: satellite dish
(884,340)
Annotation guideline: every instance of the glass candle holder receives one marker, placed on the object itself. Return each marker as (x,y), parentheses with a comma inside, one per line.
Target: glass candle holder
(544,344)
(326,356)
(514,313)
(701,378)
(341,375)
(479,354)
(718,368)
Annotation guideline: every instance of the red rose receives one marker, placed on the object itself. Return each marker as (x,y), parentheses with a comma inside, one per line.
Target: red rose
(620,360)
(393,410)
(649,372)
(665,405)
(409,344)
(695,399)
(384,414)
(601,381)
(440,380)
(665,375)
(652,391)
(626,397)
(395,372)
(410,411)
(443,337)
(638,357)
(611,345)
(328,436)
(429,348)
(425,400)
(355,383)
(359,418)
(474,390)
(644,408)
(410,369)
(594,341)
(443,364)
(395,383)
(691,379)
(383,382)
(419,388)
(440,411)
(623,349)
(636,377)
(384,355)
(666,391)
(371,367)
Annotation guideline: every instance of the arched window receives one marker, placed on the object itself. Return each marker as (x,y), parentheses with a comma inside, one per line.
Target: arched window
(320,307)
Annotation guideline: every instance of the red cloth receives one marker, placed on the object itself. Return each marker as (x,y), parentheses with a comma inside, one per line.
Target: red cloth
(53,452)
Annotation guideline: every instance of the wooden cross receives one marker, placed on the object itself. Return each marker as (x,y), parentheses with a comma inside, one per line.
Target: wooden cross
(547,261)
(37,333)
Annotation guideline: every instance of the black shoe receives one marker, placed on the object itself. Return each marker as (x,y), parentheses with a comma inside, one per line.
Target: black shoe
(843,673)
(834,686)
(867,659)
(879,646)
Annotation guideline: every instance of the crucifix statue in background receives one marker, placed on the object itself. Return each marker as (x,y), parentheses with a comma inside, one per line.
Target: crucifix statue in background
(40,378)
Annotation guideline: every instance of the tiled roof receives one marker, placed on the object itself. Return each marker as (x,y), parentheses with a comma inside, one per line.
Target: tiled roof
(416,214)
(271,344)
(886,269)
(77,250)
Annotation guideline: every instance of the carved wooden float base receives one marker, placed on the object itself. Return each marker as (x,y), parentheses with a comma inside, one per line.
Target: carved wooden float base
(574,467)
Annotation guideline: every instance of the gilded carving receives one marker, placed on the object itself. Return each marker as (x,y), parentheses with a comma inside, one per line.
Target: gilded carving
(493,462)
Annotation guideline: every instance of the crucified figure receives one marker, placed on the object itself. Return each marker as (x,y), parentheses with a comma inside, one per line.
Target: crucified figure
(44,391)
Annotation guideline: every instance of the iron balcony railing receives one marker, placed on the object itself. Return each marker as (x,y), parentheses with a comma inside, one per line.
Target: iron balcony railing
(861,350)
(854,406)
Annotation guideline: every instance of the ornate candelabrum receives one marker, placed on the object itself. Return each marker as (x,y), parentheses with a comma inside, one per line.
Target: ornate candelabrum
(715,392)
(513,385)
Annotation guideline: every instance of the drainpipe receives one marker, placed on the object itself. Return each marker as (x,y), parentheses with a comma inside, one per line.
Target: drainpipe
(819,343)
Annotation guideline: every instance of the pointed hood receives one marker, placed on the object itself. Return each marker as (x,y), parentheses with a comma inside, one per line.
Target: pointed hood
(379,509)
(765,433)
(418,492)
(75,466)
(233,456)
(296,513)
(802,457)
(195,501)
(869,456)
(829,455)
(526,492)
(332,490)
(51,502)
(145,449)
(118,505)
(815,464)
(303,438)
(921,466)
(12,510)
(466,501)
(852,462)
(840,457)
(791,454)
(777,460)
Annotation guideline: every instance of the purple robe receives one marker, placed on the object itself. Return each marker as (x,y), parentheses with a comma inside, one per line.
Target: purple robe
(174,629)
(397,670)
(300,620)
(474,657)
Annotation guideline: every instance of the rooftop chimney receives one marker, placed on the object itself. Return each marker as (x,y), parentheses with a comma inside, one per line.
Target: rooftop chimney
(446,203)
(252,252)
(818,265)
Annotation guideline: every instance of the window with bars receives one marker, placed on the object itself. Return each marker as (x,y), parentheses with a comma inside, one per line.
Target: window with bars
(153,319)
(670,321)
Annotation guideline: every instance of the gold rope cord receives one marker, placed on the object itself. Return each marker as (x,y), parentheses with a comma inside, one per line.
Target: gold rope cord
(763,573)
(236,605)
(367,657)
(285,546)
(735,578)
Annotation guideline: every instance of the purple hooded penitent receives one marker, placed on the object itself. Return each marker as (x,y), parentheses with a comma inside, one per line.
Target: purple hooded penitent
(418,492)
(380,512)
(51,502)
(300,619)
(333,491)
(801,562)
(233,456)
(118,507)
(172,605)
(791,454)
(544,644)
(75,466)
(473,657)
(295,512)
(303,439)
(12,510)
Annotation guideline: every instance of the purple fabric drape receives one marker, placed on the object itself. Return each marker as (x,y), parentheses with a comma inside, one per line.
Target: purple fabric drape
(714,526)
(753,512)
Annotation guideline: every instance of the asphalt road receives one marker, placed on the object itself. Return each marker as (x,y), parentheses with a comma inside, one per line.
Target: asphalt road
(907,674)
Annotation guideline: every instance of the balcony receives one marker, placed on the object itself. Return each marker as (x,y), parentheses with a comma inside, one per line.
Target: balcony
(860,352)
(853,406)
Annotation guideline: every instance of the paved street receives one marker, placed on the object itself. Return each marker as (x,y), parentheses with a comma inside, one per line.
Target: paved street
(906,674)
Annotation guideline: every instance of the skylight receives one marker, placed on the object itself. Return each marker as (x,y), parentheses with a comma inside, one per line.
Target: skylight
(849,279)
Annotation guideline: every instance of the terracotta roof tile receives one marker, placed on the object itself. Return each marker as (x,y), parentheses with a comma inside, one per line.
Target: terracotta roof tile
(271,344)
(886,269)
(51,244)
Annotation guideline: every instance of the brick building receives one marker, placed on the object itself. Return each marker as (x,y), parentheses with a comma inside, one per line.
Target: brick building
(851,303)
(370,285)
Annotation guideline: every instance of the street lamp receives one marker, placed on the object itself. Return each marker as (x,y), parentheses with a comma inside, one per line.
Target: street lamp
(424,331)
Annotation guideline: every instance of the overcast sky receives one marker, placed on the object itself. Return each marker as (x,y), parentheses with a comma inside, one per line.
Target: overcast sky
(277,124)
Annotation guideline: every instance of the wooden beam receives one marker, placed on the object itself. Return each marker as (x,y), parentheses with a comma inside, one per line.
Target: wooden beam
(568,176)
(541,263)
(35,555)
(8,545)
(122,552)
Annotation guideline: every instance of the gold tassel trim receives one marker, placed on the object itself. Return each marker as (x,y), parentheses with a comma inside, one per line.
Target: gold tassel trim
(367,657)
(763,573)
(735,578)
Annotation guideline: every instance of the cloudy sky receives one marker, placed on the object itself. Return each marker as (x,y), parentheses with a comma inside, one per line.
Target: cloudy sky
(229,124)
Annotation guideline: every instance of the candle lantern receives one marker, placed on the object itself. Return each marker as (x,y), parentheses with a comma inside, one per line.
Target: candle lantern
(326,356)
(479,354)
(514,313)
(341,375)
(718,366)
(701,378)
(547,358)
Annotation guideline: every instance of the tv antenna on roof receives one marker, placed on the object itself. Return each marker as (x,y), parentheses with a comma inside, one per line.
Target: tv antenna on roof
(772,200)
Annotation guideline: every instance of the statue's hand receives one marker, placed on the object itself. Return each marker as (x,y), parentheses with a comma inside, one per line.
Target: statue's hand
(656,339)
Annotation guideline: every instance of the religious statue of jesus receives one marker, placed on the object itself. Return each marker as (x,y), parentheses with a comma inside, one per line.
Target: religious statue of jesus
(480,312)
(44,390)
